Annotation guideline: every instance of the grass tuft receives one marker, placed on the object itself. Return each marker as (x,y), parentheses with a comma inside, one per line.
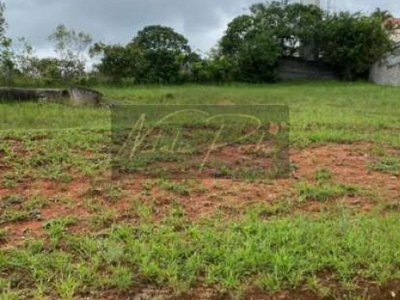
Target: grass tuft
(324,192)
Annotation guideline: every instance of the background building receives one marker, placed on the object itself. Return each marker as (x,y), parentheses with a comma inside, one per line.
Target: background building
(387,70)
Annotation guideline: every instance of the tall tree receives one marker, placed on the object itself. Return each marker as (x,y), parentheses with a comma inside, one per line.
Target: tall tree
(118,62)
(164,51)
(6,54)
(253,53)
(236,35)
(294,25)
(71,48)
(3,23)
(26,61)
(354,42)
(255,42)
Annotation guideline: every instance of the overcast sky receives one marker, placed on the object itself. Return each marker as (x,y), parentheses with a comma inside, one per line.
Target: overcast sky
(116,21)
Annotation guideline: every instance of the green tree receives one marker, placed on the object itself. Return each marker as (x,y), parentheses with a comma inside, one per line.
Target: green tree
(294,25)
(49,70)
(253,52)
(382,15)
(113,61)
(215,68)
(236,35)
(6,53)
(118,62)
(71,48)
(156,55)
(252,46)
(164,53)
(3,23)
(353,42)
(26,61)
(254,43)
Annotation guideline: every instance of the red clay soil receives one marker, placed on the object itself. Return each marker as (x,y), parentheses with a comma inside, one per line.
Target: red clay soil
(348,163)
(50,190)
(366,290)
(389,291)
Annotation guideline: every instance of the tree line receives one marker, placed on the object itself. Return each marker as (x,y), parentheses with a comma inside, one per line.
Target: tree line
(249,51)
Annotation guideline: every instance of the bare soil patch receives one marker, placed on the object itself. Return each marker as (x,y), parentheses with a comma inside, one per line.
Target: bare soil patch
(348,163)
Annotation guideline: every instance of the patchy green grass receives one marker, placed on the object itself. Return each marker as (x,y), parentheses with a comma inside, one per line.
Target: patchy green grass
(3,236)
(326,191)
(273,255)
(323,175)
(54,141)
(15,208)
(320,111)
(55,156)
(388,164)
(392,206)
(180,188)
(266,246)
(325,188)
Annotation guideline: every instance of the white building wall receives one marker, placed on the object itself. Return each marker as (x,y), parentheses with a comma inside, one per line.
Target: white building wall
(387,70)
(383,75)
(396,36)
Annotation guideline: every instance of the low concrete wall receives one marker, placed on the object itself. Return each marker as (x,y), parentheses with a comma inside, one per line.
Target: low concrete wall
(53,94)
(84,96)
(299,69)
(75,95)
(32,94)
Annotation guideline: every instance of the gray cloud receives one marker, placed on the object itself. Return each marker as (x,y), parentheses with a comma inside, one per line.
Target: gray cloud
(117,21)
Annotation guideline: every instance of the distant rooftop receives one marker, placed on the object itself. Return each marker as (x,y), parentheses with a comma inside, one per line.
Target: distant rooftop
(392,21)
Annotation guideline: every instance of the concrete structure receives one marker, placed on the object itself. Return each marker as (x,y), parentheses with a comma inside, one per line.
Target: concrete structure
(74,96)
(387,70)
(12,94)
(299,69)
(83,96)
